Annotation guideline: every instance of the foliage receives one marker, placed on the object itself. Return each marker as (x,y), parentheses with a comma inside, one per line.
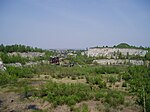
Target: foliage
(139,83)
(123,45)
(106,70)
(114,98)
(13,59)
(126,76)
(82,108)
(6,78)
(21,72)
(18,48)
(148,103)
(112,79)
(85,108)
(96,80)
(102,93)
(81,59)
(147,56)
(69,94)
(76,71)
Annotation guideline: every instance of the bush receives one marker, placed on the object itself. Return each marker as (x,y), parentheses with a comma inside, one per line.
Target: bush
(126,76)
(96,80)
(114,98)
(21,72)
(7,79)
(85,108)
(59,94)
(71,100)
(112,79)
(100,94)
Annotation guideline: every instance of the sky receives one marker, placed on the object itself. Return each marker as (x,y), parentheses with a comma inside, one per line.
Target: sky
(79,24)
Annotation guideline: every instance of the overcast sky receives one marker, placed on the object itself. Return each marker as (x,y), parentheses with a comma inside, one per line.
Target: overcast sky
(74,23)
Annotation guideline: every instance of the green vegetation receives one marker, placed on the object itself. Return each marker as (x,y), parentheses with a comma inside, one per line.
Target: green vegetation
(21,72)
(96,80)
(123,45)
(13,59)
(73,85)
(114,98)
(5,78)
(69,94)
(18,48)
(83,108)
(147,56)
(138,78)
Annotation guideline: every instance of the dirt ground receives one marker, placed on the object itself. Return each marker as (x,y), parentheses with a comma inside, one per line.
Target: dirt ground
(11,101)
(14,102)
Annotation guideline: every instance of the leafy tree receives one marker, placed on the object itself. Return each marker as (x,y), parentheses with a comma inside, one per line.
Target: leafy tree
(19,48)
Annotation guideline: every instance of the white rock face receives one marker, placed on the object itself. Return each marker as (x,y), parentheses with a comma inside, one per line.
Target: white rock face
(14,64)
(27,54)
(2,66)
(118,62)
(109,52)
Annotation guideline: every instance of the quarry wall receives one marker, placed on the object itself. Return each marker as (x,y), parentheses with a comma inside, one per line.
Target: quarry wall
(110,52)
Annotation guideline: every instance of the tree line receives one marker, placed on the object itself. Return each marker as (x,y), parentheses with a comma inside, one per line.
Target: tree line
(18,48)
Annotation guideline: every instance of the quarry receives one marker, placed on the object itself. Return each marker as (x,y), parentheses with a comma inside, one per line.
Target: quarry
(112,52)
(117,56)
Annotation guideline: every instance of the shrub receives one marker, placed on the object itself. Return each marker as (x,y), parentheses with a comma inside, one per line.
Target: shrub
(7,79)
(99,95)
(126,76)
(114,98)
(59,93)
(71,100)
(21,72)
(112,79)
(96,80)
(85,108)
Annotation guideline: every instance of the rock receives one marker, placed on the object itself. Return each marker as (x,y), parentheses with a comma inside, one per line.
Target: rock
(118,62)
(111,52)
(33,107)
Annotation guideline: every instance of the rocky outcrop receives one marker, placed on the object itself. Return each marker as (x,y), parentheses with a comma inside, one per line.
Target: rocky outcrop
(2,66)
(27,54)
(119,62)
(113,52)
(14,64)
